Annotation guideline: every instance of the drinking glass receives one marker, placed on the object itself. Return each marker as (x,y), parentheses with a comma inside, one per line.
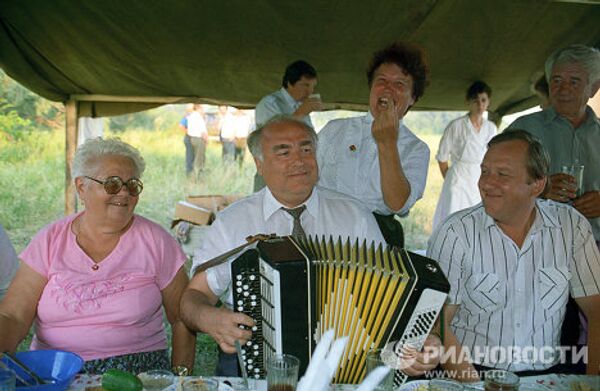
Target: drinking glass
(282,372)
(315,96)
(576,171)
(500,380)
(156,380)
(374,360)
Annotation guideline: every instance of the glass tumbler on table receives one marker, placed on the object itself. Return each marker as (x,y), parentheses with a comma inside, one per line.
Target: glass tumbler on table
(282,372)
(374,360)
(156,380)
(499,380)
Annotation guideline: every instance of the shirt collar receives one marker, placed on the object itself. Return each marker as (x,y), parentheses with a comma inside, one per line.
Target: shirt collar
(271,205)
(288,98)
(542,219)
(550,115)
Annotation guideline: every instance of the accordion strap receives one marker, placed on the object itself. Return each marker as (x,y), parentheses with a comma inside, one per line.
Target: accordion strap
(219,259)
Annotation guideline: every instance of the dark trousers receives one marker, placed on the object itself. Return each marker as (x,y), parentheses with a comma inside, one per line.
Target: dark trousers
(391,229)
(189,154)
(227,365)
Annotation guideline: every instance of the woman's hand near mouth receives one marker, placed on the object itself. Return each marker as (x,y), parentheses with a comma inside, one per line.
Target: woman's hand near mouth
(385,125)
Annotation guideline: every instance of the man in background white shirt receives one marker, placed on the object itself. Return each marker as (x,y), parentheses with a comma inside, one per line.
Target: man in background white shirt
(293,99)
(196,129)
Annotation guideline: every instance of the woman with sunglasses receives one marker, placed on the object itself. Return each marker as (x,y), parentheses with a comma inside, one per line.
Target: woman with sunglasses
(95,282)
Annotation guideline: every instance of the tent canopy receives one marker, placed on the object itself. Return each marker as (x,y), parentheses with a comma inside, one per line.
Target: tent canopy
(235,51)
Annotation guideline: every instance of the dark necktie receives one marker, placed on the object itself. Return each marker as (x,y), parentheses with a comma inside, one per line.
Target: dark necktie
(296,212)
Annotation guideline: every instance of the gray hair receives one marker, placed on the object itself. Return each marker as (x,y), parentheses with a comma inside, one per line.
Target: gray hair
(538,160)
(586,56)
(255,138)
(96,148)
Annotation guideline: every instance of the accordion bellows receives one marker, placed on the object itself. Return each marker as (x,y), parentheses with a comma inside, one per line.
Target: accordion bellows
(296,289)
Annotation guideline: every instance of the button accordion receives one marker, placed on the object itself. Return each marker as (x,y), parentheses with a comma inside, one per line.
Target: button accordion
(297,288)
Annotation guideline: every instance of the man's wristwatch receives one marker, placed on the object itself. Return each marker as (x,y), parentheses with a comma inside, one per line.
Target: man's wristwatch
(181,370)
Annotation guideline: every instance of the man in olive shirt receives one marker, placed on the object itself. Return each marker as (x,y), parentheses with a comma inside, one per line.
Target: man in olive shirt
(570,130)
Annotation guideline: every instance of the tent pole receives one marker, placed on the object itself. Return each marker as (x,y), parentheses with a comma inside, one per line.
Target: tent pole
(70,146)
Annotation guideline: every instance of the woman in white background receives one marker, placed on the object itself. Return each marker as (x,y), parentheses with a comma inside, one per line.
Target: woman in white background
(464,144)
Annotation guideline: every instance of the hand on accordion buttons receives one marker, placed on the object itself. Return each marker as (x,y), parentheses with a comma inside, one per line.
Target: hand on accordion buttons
(225,328)
(417,363)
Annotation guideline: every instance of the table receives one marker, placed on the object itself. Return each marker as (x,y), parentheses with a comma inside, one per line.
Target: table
(82,381)
(552,382)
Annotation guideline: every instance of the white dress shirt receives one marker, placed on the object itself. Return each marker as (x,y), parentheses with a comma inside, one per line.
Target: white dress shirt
(348,162)
(196,127)
(327,213)
(510,296)
(277,103)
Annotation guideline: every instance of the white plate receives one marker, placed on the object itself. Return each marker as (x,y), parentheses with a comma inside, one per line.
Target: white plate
(414,385)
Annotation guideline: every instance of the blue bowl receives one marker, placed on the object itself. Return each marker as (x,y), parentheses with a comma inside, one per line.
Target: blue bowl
(56,365)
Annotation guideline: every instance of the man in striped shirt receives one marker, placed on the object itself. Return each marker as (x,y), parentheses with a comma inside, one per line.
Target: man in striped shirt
(511,262)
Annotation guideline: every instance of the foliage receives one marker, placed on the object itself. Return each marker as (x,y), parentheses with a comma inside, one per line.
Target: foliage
(162,118)
(29,106)
(11,125)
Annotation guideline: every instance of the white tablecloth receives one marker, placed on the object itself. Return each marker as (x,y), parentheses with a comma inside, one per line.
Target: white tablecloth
(82,381)
(550,382)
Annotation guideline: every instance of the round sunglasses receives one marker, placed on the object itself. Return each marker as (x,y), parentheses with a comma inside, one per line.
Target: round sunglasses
(114,184)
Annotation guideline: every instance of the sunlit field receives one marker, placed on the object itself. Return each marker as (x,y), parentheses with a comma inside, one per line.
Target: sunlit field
(32,190)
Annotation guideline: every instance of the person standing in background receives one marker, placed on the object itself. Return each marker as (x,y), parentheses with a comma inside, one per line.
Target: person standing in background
(227,128)
(196,129)
(376,158)
(293,98)
(464,143)
(189,149)
(243,126)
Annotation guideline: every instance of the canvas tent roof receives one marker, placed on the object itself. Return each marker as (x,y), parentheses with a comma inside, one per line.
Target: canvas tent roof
(235,51)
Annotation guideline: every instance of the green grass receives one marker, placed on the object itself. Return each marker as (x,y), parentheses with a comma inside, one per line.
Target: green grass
(32,190)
